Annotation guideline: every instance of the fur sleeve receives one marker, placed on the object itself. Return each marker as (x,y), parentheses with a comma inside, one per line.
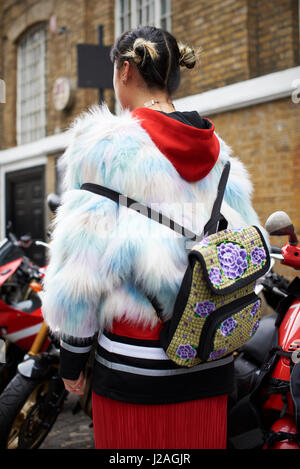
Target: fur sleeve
(74,279)
(96,245)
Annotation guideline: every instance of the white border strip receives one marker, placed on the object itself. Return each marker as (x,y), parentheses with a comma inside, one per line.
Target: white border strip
(136,351)
(23,333)
(243,94)
(44,146)
(170,372)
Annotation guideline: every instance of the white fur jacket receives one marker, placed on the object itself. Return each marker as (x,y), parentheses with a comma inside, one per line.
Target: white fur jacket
(100,252)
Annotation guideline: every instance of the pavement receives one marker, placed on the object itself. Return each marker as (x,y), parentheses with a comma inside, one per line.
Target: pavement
(70,431)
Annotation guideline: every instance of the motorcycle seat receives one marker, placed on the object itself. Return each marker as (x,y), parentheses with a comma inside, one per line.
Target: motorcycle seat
(266,337)
(28,306)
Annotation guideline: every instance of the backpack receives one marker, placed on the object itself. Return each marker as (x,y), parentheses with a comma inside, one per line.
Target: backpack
(216,309)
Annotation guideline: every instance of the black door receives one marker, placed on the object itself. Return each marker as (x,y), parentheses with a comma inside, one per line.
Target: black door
(25,195)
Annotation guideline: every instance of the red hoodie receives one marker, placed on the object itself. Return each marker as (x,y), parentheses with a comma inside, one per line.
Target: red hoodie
(192,151)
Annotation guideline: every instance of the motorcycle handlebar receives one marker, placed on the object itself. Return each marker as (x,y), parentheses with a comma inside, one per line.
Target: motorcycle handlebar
(289,254)
(42,243)
(13,238)
(275,250)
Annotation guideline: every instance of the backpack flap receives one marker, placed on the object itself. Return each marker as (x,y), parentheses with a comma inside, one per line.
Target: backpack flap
(231,259)
(217,310)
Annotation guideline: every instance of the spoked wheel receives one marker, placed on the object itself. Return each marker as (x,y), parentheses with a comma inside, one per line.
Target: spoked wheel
(31,425)
(28,410)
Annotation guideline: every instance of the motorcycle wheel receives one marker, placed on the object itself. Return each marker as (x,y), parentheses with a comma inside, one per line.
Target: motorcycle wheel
(28,412)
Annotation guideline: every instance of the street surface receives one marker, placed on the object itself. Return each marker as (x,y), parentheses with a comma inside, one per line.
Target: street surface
(70,431)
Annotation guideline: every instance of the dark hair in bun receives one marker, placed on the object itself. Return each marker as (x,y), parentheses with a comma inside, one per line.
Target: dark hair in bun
(156,54)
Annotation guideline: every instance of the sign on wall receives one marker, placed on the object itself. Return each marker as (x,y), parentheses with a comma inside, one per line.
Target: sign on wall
(63,93)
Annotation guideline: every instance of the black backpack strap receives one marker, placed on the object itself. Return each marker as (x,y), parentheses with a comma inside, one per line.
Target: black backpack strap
(146,211)
(217,222)
(140,208)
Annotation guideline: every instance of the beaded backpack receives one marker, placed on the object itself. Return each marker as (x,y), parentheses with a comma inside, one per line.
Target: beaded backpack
(216,310)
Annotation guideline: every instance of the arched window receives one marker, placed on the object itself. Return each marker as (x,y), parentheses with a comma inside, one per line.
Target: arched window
(31,85)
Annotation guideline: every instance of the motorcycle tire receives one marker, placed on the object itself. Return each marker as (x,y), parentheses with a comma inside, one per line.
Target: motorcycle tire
(14,355)
(25,414)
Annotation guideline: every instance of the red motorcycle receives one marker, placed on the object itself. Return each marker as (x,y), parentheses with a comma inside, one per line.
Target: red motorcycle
(265,409)
(20,306)
(34,397)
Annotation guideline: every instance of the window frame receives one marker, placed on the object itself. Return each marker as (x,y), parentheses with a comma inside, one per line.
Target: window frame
(37,131)
(132,7)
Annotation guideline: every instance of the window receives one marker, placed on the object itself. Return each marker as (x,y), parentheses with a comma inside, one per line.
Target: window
(125,15)
(145,11)
(133,13)
(31,86)
(165,15)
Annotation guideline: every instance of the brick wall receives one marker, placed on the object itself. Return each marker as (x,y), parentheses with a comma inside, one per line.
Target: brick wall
(81,17)
(219,29)
(277,36)
(240,39)
(266,138)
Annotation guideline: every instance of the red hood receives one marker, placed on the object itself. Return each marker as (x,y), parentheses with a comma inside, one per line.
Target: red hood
(192,151)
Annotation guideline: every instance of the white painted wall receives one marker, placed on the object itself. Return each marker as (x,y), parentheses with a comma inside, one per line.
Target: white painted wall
(244,94)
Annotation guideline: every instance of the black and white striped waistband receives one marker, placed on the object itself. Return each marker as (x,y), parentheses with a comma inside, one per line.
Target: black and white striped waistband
(143,357)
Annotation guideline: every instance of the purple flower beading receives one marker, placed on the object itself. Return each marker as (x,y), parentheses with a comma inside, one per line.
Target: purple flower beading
(255,327)
(186,351)
(204,308)
(258,255)
(215,275)
(255,308)
(233,259)
(228,326)
(217,353)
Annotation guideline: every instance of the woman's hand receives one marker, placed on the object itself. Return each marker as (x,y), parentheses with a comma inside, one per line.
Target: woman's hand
(75,386)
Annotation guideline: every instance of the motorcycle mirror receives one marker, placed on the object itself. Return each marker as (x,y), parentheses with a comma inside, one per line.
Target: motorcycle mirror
(26,240)
(279,224)
(53,201)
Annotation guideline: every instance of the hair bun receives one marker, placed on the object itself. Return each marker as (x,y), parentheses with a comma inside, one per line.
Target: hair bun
(188,57)
(143,49)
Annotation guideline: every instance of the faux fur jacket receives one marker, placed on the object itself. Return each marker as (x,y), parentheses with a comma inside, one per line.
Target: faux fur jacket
(105,257)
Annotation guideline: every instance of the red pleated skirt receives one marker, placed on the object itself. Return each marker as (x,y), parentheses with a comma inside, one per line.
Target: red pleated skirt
(199,424)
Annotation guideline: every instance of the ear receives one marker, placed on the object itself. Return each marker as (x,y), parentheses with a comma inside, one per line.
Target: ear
(126,71)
